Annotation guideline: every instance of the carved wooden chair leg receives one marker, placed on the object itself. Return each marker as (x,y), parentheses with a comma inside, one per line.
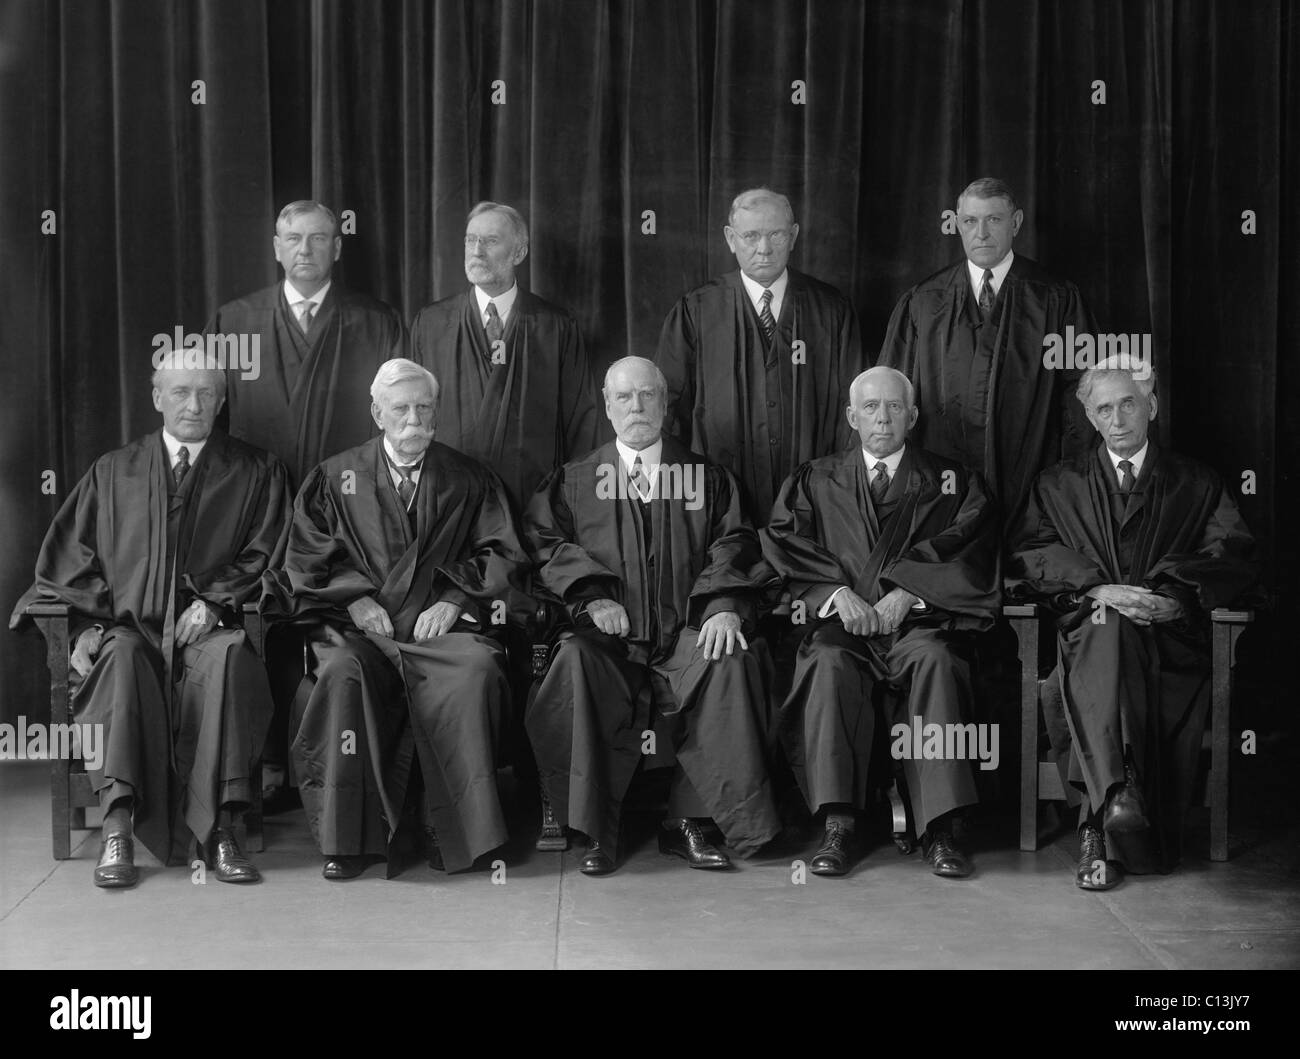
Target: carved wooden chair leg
(552,839)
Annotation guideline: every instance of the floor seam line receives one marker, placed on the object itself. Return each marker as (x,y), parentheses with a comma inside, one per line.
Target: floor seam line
(559,912)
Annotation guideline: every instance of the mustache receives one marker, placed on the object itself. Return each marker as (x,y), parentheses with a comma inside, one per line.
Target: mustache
(413,433)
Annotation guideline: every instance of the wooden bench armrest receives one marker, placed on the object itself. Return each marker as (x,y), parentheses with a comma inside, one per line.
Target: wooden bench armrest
(1224,616)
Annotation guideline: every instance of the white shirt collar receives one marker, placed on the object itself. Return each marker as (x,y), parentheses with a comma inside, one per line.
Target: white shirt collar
(504,302)
(1137,459)
(891,462)
(651,456)
(1000,271)
(294,297)
(174,447)
(755,291)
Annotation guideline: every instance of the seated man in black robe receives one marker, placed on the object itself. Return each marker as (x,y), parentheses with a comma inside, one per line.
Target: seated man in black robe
(970,338)
(516,382)
(756,359)
(1132,546)
(320,344)
(890,551)
(155,552)
(406,549)
(646,545)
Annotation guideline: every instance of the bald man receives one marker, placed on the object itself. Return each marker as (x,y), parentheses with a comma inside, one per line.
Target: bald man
(889,550)
(646,545)
(756,359)
(406,551)
(155,551)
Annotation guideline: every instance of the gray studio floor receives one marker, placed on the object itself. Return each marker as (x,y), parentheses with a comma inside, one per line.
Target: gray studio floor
(1019,910)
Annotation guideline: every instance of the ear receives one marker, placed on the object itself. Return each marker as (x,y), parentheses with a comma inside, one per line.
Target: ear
(520,253)
(794,235)
(729,234)
(1017,219)
(157,399)
(851,414)
(1154,404)
(913,414)
(376,413)
(338,246)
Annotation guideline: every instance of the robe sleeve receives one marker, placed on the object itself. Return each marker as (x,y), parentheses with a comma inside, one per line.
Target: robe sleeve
(676,359)
(68,569)
(957,569)
(736,569)
(1042,567)
(813,572)
(319,573)
(564,567)
(899,348)
(263,547)
(494,564)
(1221,569)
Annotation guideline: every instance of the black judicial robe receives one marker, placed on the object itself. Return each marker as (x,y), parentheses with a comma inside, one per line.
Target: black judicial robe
(1178,533)
(750,408)
(312,397)
(128,551)
(351,538)
(985,398)
(525,415)
(700,559)
(933,535)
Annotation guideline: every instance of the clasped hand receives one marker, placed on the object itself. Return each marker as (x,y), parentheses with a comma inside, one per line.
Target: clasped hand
(1140,605)
(862,619)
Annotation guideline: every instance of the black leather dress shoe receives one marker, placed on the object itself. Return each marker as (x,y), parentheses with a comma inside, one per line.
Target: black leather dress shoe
(344,867)
(1093,872)
(1126,808)
(116,867)
(688,842)
(228,861)
(432,851)
(944,856)
(596,861)
(833,857)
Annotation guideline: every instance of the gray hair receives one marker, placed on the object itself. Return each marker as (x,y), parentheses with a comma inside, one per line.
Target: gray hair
(399,370)
(176,360)
(660,381)
(881,369)
(989,188)
(751,197)
(300,206)
(517,223)
(1143,375)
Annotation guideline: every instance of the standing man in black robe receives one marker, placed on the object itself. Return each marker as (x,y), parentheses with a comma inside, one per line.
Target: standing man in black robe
(756,359)
(890,550)
(1131,546)
(970,338)
(516,382)
(407,551)
(155,552)
(646,545)
(320,345)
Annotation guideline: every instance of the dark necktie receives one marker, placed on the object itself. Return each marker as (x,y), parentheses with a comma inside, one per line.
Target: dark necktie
(1126,481)
(406,487)
(640,480)
(986,294)
(493,325)
(765,316)
(304,320)
(182,466)
(880,483)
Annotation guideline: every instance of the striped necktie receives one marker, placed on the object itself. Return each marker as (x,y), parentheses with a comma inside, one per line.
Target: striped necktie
(765,316)
(986,294)
(880,482)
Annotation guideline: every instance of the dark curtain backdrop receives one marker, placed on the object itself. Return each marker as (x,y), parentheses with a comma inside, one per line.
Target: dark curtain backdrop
(165,208)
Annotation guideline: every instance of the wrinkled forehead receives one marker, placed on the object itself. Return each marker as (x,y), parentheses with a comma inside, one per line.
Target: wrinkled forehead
(188,379)
(312,223)
(407,391)
(881,387)
(974,206)
(491,222)
(763,213)
(633,377)
(1109,387)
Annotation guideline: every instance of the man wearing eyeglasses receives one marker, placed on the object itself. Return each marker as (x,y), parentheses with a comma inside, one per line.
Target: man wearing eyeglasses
(755,359)
(518,392)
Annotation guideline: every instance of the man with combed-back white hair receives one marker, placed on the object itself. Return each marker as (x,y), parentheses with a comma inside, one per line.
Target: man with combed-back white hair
(155,552)
(890,553)
(756,359)
(1130,546)
(406,551)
